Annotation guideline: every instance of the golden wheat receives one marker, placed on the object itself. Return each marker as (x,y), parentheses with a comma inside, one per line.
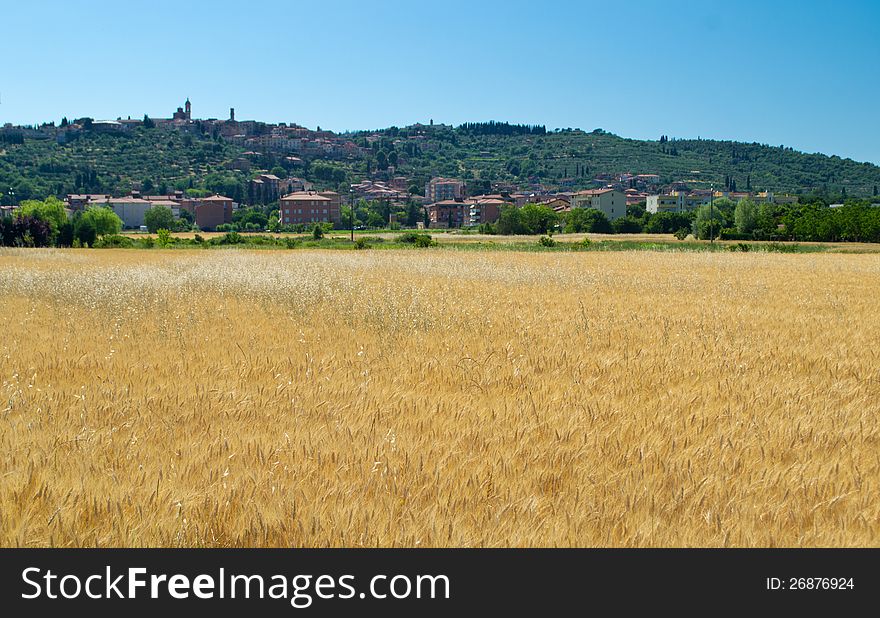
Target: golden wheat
(438,398)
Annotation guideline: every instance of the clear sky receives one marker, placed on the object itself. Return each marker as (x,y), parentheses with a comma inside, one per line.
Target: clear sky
(802,74)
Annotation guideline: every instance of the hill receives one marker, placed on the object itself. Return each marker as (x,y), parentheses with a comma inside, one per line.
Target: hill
(484,154)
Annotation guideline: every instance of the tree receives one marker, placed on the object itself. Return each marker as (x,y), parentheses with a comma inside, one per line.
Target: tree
(148,122)
(745,216)
(51,210)
(317,232)
(587,220)
(627,225)
(158,217)
(103,220)
(538,219)
(84,231)
(381,160)
(706,220)
(24,231)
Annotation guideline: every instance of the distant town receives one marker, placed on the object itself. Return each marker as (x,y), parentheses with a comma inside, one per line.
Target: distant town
(250,176)
(446,202)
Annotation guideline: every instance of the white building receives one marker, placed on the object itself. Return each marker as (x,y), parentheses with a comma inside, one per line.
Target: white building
(130,209)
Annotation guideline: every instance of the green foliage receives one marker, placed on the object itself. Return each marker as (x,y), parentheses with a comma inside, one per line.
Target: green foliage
(708,222)
(163,237)
(114,241)
(361,243)
(547,241)
(627,225)
(682,233)
(104,220)
(50,210)
(317,232)
(159,217)
(587,220)
(746,216)
(668,222)
(84,231)
(530,219)
(417,239)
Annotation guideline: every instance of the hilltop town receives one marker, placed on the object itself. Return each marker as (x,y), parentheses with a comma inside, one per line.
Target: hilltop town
(223,174)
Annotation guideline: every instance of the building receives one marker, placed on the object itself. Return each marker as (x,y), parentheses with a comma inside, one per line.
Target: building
(213,211)
(303,207)
(611,202)
(185,113)
(447,213)
(335,204)
(442,189)
(557,203)
(484,210)
(677,201)
(664,203)
(82,201)
(130,209)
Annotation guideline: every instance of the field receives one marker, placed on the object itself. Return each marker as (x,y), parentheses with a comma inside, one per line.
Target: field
(438,398)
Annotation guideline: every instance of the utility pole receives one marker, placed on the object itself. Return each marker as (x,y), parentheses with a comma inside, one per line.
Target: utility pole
(351,211)
(712,215)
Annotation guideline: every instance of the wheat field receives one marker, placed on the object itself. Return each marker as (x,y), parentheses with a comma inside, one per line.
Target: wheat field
(438,398)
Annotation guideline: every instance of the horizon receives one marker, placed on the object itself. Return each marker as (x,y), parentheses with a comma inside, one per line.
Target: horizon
(766,81)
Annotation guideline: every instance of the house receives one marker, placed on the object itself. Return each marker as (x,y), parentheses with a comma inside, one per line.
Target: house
(611,202)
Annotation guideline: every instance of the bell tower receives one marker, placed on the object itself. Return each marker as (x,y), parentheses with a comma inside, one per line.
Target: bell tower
(188,109)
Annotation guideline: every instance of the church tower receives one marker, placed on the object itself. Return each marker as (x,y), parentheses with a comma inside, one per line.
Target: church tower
(188,108)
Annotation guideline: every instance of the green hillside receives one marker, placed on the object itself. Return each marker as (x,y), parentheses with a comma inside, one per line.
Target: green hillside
(100,163)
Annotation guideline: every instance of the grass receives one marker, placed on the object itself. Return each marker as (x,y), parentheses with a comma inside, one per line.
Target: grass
(383,239)
(438,398)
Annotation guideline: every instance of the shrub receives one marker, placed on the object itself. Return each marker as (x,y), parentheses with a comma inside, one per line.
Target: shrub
(114,241)
(231,238)
(730,233)
(199,238)
(585,243)
(163,237)
(361,243)
(682,233)
(546,241)
(291,243)
(419,240)
(318,232)
(740,246)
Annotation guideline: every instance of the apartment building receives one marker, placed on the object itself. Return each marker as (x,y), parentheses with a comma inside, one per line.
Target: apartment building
(303,207)
(610,201)
(442,189)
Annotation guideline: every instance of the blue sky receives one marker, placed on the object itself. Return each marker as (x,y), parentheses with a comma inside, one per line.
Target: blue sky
(802,74)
